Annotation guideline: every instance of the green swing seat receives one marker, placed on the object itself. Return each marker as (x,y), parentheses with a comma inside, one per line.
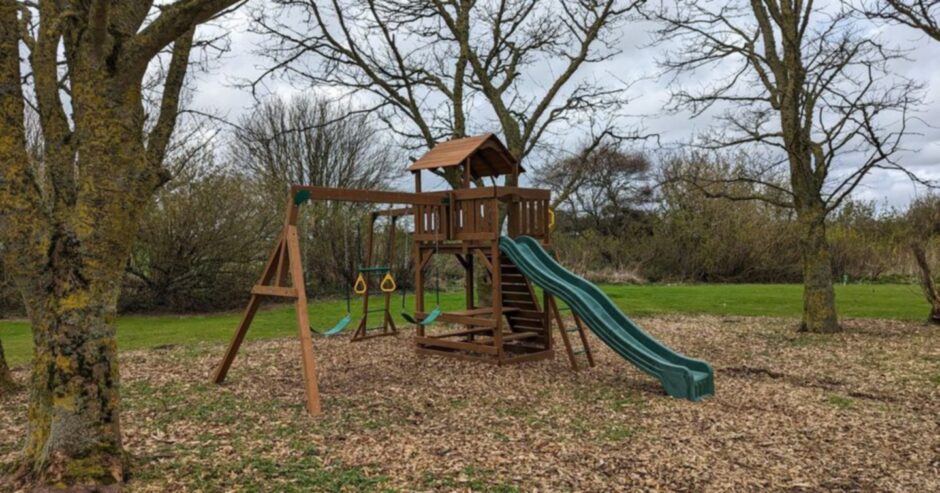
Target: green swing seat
(339,327)
(428,320)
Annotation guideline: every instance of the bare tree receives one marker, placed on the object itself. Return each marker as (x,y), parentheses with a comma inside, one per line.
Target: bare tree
(324,143)
(605,183)
(69,223)
(314,142)
(806,86)
(918,14)
(440,69)
(923,225)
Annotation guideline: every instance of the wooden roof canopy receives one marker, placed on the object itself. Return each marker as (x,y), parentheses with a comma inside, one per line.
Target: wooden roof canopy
(488,156)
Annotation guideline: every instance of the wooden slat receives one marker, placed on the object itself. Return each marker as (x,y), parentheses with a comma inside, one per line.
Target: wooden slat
(486,235)
(486,310)
(361,195)
(529,327)
(517,297)
(514,336)
(465,346)
(461,333)
(457,319)
(475,193)
(274,291)
(523,193)
(522,305)
(529,314)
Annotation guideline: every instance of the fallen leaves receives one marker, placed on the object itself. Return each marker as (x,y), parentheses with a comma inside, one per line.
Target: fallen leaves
(856,411)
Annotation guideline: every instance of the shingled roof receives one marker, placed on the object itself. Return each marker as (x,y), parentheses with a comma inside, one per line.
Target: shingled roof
(488,156)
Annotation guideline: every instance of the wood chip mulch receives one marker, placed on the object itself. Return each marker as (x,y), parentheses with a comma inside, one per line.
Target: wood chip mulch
(855,411)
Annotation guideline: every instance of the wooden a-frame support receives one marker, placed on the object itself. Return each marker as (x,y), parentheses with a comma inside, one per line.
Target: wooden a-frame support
(283,262)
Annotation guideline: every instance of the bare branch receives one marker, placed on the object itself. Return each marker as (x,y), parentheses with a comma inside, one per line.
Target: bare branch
(173,22)
(161,132)
(918,14)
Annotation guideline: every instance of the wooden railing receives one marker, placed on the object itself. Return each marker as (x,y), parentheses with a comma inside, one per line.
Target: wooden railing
(474,214)
(478,214)
(430,223)
(527,212)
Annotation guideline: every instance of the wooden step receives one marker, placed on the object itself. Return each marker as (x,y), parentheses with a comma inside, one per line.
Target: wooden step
(518,297)
(517,301)
(520,305)
(538,328)
(528,315)
(514,336)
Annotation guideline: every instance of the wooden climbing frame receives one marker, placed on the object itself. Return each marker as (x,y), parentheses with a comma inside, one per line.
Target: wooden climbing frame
(465,223)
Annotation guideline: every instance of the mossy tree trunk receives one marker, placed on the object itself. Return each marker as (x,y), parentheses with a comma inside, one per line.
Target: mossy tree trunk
(6,378)
(927,282)
(69,222)
(819,299)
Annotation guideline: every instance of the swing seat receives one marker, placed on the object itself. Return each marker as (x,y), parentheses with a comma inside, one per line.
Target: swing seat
(339,327)
(427,320)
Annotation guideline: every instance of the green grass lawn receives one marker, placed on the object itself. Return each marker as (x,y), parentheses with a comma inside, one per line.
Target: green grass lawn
(886,301)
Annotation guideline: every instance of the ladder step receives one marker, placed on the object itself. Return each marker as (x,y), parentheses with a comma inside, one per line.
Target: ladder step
(572,329)
(522,305)
(578,351)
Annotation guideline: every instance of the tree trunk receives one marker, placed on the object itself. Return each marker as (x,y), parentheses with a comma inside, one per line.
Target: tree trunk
(74,433)
(819,299)
(74,429)
(7,384)
(484,286)
(926,282)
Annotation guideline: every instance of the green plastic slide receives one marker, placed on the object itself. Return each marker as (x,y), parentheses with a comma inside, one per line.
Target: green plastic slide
(681,376)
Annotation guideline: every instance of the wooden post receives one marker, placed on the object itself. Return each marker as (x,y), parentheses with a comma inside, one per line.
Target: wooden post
(419,284)
(222,370)
(363,328)
(468,290)
(466,173)
(389,324)
(303,323)
(497,288)
(266,275)
(547,319)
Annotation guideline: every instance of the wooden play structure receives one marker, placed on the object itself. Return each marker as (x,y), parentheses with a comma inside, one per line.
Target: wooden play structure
(465,223)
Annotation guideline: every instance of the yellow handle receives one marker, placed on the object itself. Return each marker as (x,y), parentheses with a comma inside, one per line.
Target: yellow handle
(388,283)
(551,218)
(360,287)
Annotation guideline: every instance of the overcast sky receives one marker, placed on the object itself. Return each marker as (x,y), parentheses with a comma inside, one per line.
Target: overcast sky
(217,91)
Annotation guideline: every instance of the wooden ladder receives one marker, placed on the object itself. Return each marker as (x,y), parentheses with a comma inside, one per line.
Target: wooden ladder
(518,294)
(571,349)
